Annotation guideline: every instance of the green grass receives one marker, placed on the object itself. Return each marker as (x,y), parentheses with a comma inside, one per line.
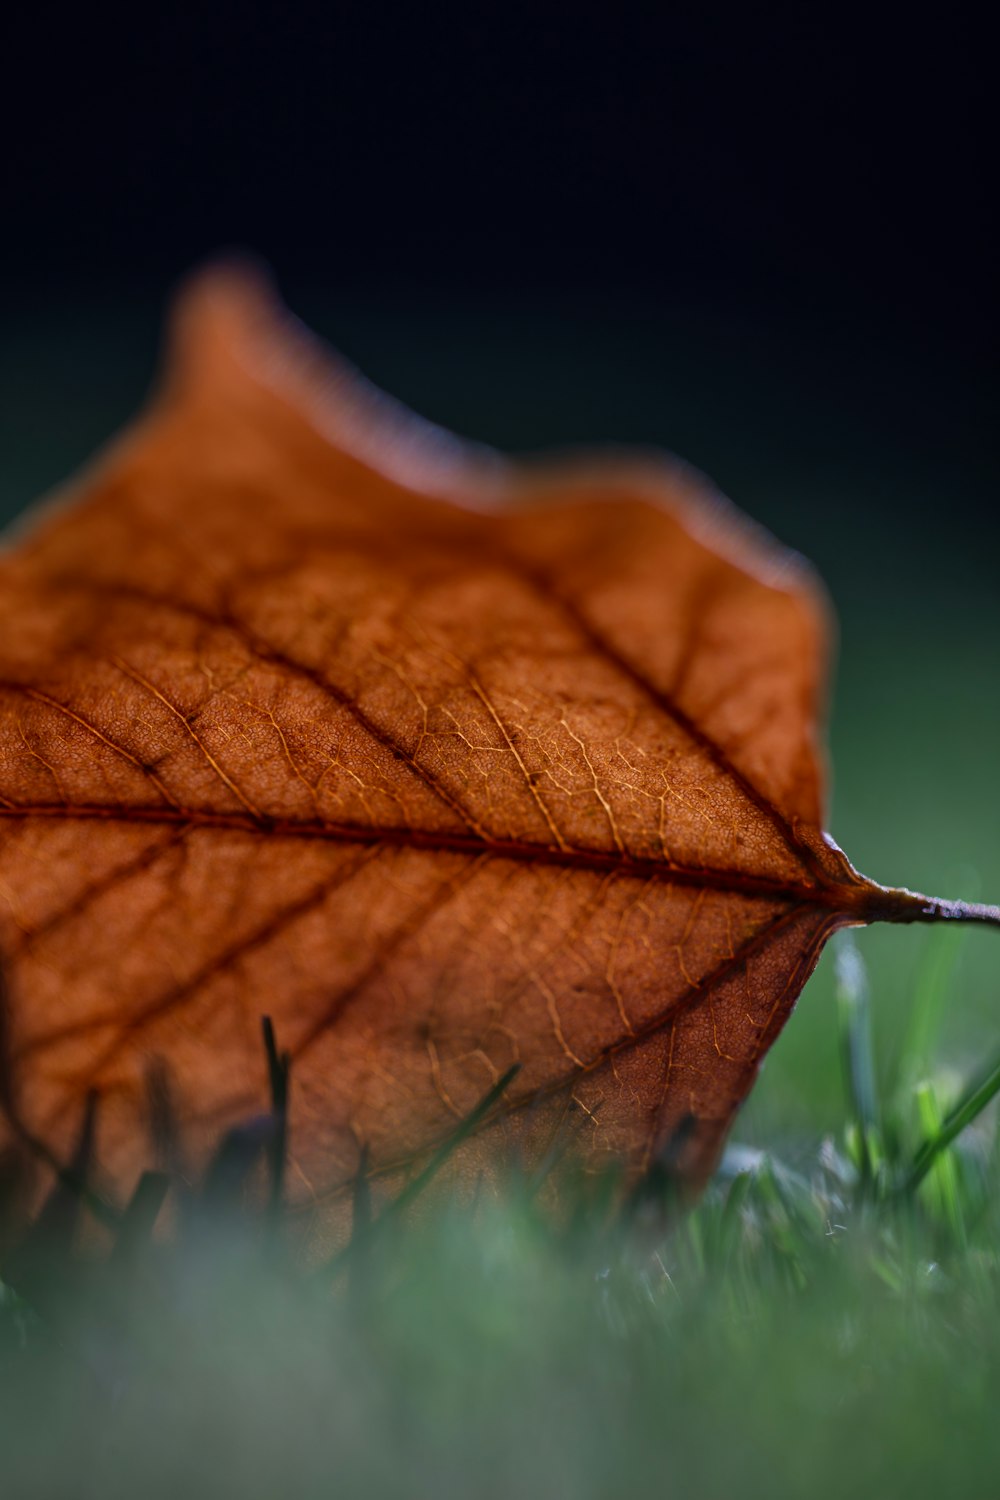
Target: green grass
(826,1327)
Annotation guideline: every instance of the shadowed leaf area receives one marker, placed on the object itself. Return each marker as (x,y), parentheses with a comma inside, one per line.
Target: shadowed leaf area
(469,775)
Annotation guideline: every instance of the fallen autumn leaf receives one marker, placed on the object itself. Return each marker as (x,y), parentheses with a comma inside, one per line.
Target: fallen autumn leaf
(443,763)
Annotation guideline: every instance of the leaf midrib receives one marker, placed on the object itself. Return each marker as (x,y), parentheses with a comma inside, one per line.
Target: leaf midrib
(598,861)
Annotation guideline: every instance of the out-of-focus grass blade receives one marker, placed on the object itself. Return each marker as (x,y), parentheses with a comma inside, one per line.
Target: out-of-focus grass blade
(940,1181)
(943,946)
(971,1104)
(279,1066)
(233,1164)
(730,1219)
(858,1055)
(139,1217)
(464,1130)
(782,1221)
(423,1179)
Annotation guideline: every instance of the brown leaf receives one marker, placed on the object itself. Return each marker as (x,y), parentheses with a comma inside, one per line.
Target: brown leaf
(306,709)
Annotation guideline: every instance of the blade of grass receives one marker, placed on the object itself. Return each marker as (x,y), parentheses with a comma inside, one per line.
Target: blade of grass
(460,1134)
(729,1226)
(233,1164)
(858,1056)
(278,1070)
(783,1223)
(972,1103)
(138,1218)
(940,1182)
(423,1179)
(933,986)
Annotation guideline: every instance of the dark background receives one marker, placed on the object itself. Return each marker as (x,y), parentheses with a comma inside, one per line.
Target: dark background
(759,237)
(726,229)
(797,162)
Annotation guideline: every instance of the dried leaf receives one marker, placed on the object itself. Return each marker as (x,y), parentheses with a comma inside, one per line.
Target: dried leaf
(446,765)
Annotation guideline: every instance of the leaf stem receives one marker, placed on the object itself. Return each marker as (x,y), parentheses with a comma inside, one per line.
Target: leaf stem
(897,904)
